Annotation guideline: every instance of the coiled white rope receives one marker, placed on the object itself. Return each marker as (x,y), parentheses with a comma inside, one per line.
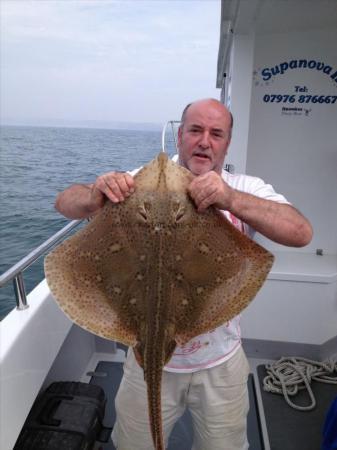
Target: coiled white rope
(289,375)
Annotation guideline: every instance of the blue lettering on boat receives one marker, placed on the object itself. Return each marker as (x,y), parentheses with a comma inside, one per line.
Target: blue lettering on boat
(312,64)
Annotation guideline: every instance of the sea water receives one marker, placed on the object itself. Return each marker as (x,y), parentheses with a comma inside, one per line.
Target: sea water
(36,164)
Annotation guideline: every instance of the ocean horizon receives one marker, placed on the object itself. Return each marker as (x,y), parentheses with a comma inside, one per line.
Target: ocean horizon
(83,124)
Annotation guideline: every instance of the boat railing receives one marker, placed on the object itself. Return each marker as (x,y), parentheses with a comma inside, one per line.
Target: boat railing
(174,124)
(15,273)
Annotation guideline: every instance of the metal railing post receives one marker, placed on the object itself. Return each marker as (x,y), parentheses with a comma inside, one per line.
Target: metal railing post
(170,122)
(20,292)
(15,272)
(174,135)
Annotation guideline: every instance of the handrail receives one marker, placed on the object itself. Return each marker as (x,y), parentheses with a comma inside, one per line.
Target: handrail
(170,122)
(15,272)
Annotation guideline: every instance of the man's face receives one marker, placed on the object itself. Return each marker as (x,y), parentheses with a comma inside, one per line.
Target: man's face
(204,137)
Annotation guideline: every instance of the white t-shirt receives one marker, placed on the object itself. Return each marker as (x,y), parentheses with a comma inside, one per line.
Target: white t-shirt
(212,348)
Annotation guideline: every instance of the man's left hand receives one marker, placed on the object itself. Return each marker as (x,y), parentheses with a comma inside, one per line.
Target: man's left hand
(210,189)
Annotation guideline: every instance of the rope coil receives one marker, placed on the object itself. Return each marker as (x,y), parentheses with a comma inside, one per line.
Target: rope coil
(288,375)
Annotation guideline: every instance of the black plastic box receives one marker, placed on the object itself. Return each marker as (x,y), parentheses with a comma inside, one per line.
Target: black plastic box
(67,416)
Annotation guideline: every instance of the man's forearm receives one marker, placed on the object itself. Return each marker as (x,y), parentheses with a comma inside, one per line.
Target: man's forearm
(74,202)
(279,222)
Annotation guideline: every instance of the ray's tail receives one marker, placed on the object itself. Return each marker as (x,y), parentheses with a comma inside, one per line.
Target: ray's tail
(153,381)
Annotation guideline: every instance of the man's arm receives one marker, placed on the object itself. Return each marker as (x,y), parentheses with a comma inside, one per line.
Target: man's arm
(80,201)
(279,222)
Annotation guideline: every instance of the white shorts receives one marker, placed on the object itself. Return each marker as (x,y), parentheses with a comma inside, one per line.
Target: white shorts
(217,399)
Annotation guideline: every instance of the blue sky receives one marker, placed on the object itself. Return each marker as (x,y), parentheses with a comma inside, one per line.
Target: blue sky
(135,61)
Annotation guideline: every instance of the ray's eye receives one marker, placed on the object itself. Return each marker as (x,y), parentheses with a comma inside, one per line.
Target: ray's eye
(143,214)
(179,213)
(143,211)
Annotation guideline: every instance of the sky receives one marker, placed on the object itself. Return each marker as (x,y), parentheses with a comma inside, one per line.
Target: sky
(106,61)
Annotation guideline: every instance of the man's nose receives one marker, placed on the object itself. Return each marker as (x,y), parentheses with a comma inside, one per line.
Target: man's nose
(204,141)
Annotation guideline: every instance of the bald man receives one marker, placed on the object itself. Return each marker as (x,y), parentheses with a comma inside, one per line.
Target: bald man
(208,374)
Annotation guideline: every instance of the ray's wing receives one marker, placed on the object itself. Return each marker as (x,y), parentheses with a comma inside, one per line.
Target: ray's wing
(216,271)
(94,274)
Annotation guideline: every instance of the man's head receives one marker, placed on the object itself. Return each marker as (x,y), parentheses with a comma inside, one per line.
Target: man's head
(204,136)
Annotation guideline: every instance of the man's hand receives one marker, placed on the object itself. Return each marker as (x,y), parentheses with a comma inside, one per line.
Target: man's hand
(210,189)
(80,201)
(116,186)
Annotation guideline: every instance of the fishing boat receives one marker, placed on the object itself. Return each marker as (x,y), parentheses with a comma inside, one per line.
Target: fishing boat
(277,72)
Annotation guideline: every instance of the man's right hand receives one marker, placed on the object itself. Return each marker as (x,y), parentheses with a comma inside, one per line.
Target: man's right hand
(116,186)
(80,201)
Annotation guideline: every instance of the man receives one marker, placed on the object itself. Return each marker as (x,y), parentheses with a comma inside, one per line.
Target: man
(209,374)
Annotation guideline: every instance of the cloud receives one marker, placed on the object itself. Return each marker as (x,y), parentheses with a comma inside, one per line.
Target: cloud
(134,52)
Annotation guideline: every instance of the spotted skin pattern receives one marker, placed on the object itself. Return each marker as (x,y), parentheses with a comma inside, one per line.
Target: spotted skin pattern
(151,272)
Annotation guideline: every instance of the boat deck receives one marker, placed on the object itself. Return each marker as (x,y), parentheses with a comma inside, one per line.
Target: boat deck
(272,424)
